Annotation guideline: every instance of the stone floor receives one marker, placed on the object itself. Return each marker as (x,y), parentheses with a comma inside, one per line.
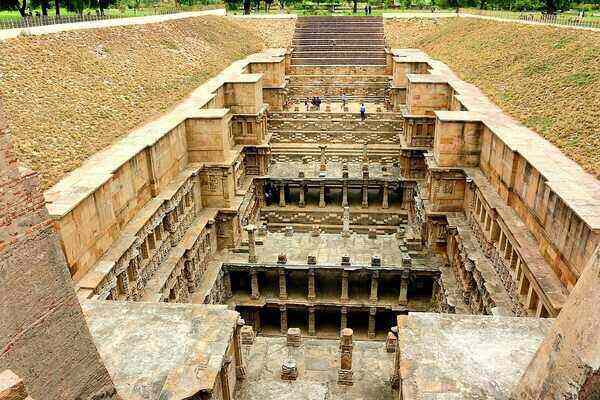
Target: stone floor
(329,249)
(317,361)
(464,357)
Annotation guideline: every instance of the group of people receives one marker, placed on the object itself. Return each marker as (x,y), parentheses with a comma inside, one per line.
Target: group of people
(368,9)
(316,103)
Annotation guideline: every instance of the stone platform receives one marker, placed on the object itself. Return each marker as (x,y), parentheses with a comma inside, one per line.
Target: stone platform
(317,361)
(158,350)
(445,356)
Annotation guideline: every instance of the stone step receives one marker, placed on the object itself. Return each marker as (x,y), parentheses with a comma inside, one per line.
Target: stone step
(339,29)
(337,36)
(327,48)
(339,42)
(338,54)
(329,116)
(339,61)
(320,70)
(337,79)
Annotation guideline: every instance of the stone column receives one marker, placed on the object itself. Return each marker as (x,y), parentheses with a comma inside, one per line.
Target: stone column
(365,194)
(384,203)
(260,193)
(345,194)
(251,229)
(284,320)
(322,195)
(344,296)
(402,298)
(346,346)
(227,284)
(225,187)
(282,285)
(240,366)
(257,321)
(311,321)
(281,194)
(374,286)
(346,222)
(312,293)
(255,292)
(302,203)
(372,314)
(323,165)
(344,318)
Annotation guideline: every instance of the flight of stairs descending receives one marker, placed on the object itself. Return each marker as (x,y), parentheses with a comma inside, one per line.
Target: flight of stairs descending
(339,41)
(358,88)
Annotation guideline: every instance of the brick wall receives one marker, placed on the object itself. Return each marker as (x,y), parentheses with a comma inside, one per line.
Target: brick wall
(43,335)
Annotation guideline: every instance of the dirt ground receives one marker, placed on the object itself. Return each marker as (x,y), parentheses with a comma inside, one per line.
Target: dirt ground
(72,94)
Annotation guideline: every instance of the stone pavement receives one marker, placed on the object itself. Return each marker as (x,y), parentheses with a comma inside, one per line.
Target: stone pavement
(318,361)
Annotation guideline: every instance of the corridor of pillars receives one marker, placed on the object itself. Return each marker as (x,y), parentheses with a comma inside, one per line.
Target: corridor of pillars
(389,287)
(378,194)
(320,321)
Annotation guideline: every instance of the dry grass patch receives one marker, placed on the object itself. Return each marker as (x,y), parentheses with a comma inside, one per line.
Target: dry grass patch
(274,32)
(72,94)
(548,78)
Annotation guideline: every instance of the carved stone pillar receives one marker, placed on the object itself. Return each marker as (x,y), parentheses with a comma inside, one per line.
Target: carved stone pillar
(227,284)
(302,203)
(251,229)
(346,347)
(402,298)
(255,292)
(322,195)
(344,318)
(372,314)
(384,202)
(344,296)
(282,285)
(260,193)
(284,319)
(365,194)
(311,321)
(257,321)
(240,366)
(374,286)
(345,194)
(225,187)
(312,293)
(281,194)
(323,164)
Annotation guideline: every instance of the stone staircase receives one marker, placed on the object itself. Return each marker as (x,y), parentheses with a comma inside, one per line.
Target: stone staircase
(339,41)
(358,88)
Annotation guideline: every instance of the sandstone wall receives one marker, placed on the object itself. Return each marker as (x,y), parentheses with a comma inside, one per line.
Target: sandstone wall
(43,335)
(533,208)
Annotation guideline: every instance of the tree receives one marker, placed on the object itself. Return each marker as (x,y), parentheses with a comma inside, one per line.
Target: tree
(246,7)
(354,6)
(57,6)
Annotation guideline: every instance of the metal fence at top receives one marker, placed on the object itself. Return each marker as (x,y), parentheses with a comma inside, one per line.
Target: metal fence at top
(563,19)
(40,20)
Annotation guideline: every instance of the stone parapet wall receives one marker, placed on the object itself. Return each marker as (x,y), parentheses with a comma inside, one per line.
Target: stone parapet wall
(552,196)
(93,204)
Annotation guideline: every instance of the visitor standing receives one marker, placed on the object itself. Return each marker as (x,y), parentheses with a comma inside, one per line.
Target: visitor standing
(366,10)
(369,9)
(306,104)
(344,100)
(363,111)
